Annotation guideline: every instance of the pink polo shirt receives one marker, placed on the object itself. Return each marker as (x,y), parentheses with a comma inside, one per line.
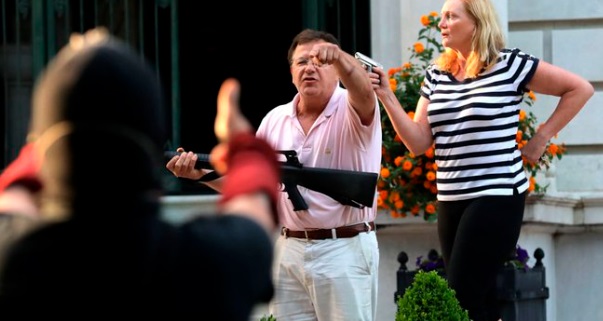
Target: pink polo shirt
(336,140)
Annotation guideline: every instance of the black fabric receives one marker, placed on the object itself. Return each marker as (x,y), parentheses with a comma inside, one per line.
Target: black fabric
(212,268)
(476,237)
(234,259)
(95,267)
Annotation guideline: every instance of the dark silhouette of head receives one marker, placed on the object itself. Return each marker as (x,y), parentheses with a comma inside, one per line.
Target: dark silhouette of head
(98,122)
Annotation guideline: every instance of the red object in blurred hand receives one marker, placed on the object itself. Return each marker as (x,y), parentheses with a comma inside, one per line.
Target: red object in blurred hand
(23,170)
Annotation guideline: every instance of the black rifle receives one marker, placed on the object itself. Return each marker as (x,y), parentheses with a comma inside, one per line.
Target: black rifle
(348,187)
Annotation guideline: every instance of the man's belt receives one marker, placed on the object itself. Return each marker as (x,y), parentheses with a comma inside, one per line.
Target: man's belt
(334,233)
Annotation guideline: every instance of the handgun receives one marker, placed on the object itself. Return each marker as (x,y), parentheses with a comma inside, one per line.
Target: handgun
(367,62)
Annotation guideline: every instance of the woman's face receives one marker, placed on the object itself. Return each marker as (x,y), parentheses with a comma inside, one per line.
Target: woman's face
(457,26)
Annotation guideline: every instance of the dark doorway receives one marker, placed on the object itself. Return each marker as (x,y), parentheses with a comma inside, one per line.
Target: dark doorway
(243,39)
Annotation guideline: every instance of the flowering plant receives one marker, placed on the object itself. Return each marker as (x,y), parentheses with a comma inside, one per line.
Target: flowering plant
(407,182)
(434,261)
(519,258)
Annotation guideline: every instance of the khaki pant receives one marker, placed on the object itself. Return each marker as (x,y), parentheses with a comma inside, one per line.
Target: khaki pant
(331,279)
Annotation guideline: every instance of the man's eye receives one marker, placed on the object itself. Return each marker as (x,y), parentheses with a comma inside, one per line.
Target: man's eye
(302,62)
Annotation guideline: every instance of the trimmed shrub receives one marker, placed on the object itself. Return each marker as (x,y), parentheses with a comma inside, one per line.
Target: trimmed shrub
(429,298)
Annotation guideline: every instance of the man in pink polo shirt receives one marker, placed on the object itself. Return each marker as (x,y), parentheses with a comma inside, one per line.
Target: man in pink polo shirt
(327,257)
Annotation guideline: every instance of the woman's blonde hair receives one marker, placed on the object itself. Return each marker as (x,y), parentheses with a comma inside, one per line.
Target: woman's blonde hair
(487,41)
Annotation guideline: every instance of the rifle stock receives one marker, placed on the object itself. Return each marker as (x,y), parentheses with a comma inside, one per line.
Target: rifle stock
(352,188)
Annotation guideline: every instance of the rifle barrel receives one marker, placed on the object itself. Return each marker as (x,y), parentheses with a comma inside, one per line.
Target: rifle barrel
(202,159)
(348,187)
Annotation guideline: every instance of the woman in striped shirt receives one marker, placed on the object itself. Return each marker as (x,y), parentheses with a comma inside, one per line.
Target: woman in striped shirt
(469,108)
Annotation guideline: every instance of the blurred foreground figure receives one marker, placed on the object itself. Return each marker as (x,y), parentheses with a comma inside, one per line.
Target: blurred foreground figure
(90,176)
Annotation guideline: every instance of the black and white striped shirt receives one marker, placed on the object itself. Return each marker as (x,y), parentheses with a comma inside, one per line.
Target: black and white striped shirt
(474,124)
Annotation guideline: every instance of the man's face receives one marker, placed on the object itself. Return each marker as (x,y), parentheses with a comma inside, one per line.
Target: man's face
(309,78)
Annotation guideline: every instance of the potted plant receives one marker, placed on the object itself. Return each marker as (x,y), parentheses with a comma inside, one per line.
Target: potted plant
(521,289)
(429,298)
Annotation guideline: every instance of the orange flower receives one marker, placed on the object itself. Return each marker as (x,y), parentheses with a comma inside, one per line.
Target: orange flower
(415,210)
(430,208)
(425,20)
(393,84)
(429,165)
(417,171)
(399,204)
(532,95)
(429,152)
(532,186)
(398,161)
(433,14)
(419,48)
(522,115)
(431,176)
(407,166)
(383,194)
(518,136)
(553,149)
(411,114)
(385,172)
(394,196)
(406,65)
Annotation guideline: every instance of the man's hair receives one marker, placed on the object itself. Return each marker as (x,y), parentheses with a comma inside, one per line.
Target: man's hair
(309,35)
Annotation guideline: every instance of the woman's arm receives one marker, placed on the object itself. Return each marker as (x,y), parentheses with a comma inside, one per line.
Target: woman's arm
(573,90)
(415,133)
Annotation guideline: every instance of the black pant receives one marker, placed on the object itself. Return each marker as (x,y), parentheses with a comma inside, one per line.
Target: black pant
(476,237)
